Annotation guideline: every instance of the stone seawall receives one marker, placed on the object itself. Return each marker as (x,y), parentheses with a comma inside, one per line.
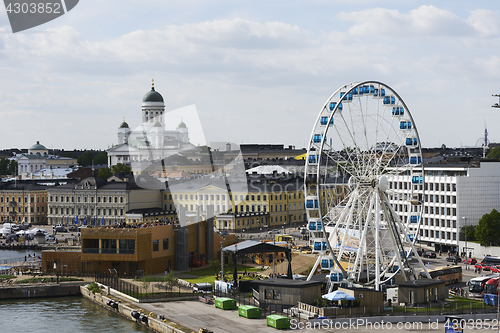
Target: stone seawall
(41,290)
(126,309)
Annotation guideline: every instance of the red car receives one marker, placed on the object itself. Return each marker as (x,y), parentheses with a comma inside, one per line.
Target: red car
(495,269)
(482,266)
(470,261)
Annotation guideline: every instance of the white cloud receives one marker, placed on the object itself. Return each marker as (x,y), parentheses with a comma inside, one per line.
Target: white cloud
(425,21)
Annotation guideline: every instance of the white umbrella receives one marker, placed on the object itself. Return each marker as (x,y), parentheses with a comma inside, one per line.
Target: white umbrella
(338,295)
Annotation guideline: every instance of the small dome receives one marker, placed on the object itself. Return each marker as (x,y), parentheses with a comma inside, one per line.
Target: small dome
(152,96)
(38,146)
(124,125)
(182,125)
(157,124)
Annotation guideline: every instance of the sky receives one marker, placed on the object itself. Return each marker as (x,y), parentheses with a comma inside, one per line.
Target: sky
(256,71)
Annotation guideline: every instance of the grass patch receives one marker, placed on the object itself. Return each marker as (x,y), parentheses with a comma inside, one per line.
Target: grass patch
(149,278)
(7,277)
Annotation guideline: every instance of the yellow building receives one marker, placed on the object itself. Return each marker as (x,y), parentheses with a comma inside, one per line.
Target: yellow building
(262,202)
(23,201)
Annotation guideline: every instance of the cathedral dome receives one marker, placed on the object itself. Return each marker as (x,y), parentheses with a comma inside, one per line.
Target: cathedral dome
(37,146)
(152,96)
(182,125)
(124,125)
(157,124)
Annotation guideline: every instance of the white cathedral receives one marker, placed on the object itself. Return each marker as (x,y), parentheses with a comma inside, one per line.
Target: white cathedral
(150,141)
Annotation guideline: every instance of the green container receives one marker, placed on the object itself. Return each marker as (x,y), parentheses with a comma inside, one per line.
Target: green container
(249,311)
(279,322)
(225,303)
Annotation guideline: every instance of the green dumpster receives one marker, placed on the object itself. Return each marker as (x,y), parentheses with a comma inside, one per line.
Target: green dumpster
(249,311)
(279,322)
(225,303)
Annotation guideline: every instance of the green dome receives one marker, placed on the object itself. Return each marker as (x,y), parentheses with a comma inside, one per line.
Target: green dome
(181,125)
(38,146)
(124,125)
(152,96)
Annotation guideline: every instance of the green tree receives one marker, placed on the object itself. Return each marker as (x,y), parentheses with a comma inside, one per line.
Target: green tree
(120,167)
(171,280)
(488,229)
(104,173)
(101,158)
(85,159)
(494,154)
(12,169)
(470,231)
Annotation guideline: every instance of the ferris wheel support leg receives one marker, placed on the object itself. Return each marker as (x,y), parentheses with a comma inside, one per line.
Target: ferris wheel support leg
(314,268)
(401,225)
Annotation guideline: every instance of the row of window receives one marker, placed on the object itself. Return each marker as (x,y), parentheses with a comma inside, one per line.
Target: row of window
(438,234)
(19,209)
(440,223)
(222,197)
(85,198)
(428,186)
(32,199)
(85,211)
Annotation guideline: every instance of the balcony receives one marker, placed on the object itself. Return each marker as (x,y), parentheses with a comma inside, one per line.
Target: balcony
(108,251)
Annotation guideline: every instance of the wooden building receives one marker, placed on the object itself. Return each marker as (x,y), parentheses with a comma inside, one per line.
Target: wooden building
(421,291)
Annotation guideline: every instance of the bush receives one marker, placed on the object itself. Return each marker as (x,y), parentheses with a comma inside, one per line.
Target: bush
(94,288)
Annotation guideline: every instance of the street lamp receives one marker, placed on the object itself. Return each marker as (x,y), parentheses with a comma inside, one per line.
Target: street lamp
(465,232)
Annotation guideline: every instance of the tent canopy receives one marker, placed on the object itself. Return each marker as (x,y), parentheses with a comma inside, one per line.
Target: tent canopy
(251,246)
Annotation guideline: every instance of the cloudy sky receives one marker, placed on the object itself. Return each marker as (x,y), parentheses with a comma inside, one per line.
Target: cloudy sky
(257,71)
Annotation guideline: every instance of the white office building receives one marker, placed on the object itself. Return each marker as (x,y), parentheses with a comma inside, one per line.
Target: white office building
(456,194)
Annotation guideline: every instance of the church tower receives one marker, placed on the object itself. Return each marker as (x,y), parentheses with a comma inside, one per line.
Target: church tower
(153,106)
(123,132)
(183,134)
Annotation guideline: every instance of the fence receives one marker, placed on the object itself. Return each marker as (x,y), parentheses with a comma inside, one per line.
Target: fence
(451,308)
(118,284)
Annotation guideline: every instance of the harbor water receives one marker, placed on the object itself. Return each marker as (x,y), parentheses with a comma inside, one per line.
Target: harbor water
(61,314)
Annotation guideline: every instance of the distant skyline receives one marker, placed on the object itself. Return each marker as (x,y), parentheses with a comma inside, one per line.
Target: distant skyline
(257,72)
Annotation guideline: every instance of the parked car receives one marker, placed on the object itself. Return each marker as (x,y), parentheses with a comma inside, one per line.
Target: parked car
(453,259)
(495,268)
(481,266)
(429,255)
(60,229)
(275,231)
(470,261)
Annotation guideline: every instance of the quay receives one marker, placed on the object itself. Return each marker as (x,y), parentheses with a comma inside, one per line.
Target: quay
(38,290)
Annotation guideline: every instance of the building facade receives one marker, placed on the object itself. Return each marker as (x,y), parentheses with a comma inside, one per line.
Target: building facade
(454,195)
(23,201)
(93,201)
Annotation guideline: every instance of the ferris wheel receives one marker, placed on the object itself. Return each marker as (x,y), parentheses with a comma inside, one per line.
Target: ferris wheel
(364,186)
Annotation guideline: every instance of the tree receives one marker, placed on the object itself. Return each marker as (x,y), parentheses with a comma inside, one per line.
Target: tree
(120,167)
(101,158)
(104,173)
(171,280)
(488,229)
(85,159)
(470,232)
(494,154)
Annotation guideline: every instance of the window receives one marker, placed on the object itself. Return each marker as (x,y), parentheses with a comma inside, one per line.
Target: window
(165,243)
(155,246)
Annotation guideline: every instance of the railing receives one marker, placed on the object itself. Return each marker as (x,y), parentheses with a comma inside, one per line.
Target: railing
(452,308)
(118,284)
